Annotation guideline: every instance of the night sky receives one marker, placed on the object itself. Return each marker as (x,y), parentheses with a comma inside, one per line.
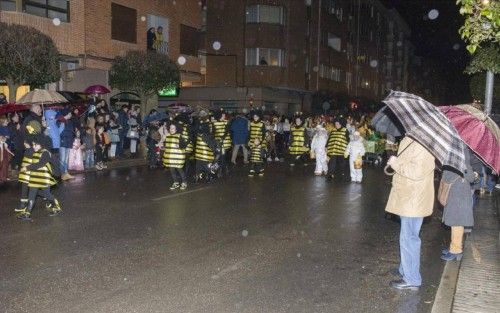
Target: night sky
(438,39)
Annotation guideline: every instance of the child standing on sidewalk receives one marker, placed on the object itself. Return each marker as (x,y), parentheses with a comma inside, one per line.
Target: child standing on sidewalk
(88,140)
(100,148)
(356,150)
(5,156)
(174,157)
(257,154)
(75,162)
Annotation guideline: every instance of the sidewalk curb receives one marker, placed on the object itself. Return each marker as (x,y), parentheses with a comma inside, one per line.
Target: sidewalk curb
(445,294)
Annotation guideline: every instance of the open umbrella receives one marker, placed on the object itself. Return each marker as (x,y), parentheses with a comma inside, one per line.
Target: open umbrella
(42,96)
(425,123)
(386,122)
(9,108)
(478,131)
(179,108)
(96,90)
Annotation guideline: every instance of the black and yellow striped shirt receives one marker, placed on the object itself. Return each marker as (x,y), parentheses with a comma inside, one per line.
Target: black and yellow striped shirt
(337,142)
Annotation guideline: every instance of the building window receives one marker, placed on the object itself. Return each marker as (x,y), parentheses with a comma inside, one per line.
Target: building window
(348,80)
(265,57)
(157,35)
(123,23)
(7,5)
(47,8)
(332,41)
(335,74)
(265,14)
(189,40)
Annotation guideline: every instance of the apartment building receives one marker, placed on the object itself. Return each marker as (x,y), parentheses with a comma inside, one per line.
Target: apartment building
(91,33)
(276,54)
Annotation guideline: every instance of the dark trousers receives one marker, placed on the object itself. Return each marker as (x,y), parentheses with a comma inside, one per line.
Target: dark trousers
(17,159)
(178,175)
(202,168)
(99,153)
(24,196)
(257,167)
(43,192)
(280,145)
(296,158)
(336,165)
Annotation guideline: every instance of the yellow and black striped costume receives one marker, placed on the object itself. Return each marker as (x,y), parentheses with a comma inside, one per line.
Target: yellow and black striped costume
(222,135)
(185,136)
(202,151)
(29,157)
(41,177)
(257,130)
(298,141)
(173,155)
(337,142)
(256,153)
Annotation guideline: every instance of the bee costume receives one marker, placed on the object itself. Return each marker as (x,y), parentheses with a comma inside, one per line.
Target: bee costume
(257,129)
(39,179)
(298,141)
(335,149)
(174,158)
(257,153)
(223,138)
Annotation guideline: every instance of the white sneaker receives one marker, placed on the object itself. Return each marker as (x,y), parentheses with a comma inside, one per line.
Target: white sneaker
(269,159)
(497,186)
(276,159)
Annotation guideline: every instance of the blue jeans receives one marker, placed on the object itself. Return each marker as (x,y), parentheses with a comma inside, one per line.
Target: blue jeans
(89,158)
(64,159)
(409,246)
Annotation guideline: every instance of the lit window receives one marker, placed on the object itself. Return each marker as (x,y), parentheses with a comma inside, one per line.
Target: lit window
(7,5)
(265,14)
(265,57)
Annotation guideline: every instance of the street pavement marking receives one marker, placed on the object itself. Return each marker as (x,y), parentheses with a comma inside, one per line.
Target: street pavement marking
(178,194)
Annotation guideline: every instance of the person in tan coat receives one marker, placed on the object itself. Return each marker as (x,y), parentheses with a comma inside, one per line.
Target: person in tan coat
(412,198)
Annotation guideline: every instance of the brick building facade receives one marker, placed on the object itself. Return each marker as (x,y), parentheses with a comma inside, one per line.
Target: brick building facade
(90,33)
(276,54)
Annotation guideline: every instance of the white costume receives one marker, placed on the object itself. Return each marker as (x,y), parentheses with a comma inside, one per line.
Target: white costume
(354,149)
(318,146)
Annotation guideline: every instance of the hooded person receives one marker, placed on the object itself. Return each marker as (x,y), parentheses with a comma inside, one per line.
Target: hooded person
(356,150)
(54,129)
(318,150)
(298,140)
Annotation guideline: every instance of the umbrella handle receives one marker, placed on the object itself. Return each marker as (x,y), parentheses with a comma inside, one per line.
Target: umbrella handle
(386,171)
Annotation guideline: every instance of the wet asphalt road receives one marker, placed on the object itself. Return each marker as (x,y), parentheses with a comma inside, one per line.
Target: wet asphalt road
(286,242)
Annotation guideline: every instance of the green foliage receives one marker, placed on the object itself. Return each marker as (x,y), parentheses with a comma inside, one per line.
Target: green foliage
(27,56)
(143,72)
(486,59)
(478,84)
(482,22)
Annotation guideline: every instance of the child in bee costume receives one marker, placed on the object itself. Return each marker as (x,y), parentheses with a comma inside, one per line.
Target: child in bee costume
(298,141)
(205,152)
(356,150)
(29,157)
(40,179)
(223,138)
(257,128)
(257,157)
(174,156)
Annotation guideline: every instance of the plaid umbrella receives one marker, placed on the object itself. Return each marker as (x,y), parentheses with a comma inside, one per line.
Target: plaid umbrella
(478,131)
(386,122)
(429,126)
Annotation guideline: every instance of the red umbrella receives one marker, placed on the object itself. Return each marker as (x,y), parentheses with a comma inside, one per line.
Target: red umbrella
(478,131)
(9,108)
(96,90)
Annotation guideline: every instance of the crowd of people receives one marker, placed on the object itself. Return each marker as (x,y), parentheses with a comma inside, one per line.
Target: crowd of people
(44,144)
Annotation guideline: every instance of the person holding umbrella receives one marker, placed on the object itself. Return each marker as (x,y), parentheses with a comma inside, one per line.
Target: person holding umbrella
(412,198)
